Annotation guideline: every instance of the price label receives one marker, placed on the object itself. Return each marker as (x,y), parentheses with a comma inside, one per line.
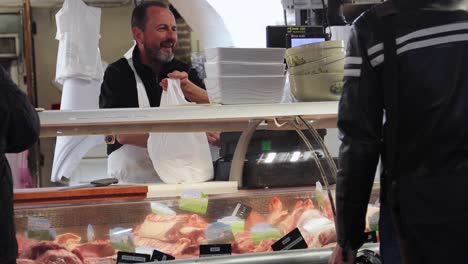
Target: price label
(293,240)
(215,250)
(128,257)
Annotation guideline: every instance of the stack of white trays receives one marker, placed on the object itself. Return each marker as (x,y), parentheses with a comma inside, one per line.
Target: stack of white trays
(245,75)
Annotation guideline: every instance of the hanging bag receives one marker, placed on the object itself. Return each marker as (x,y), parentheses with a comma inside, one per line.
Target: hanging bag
(180,157)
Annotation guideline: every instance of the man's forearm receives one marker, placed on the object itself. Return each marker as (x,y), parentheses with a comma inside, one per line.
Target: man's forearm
(196,94)
(139,140)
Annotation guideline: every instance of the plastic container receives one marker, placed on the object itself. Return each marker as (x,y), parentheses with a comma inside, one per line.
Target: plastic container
(317,87)
(333,64)
(255,55)
(314,47)
(245,90)
(313,52)
(230,69)
(306,57)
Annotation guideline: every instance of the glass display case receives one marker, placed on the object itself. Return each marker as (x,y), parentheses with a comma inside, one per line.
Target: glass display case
(251,221)
(67,227)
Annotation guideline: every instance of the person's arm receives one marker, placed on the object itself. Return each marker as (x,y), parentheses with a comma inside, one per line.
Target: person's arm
(360,126)
(112,97)
(192,92)
(20,119)
(140,140)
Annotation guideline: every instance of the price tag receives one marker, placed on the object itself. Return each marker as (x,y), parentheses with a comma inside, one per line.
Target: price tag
(128,257)
(193,201)
(160,256)
(293,240)
(215,250)
(39,229)
(242,211)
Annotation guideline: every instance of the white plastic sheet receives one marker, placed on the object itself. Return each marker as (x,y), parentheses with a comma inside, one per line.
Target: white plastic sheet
(180,157)
(77,94)
(80,71)
(78,28)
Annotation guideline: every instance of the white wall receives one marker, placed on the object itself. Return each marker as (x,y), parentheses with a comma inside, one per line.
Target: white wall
(246,20)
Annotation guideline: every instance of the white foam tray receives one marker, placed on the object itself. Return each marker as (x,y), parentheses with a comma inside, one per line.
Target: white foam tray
(233,69)
(257,55)
(245,90)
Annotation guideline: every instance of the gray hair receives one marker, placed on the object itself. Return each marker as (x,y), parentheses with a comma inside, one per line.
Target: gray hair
(139,14)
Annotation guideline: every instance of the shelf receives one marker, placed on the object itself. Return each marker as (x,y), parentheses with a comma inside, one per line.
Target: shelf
(54,195)
(187,118)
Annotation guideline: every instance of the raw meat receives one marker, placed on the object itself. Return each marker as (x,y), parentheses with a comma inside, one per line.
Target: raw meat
(277,214)
(325,236)
(253,219)
(173,248)
(163,228)
(96,250)
(27,261)
(197,221)
(39,248)
(59,256)
(195,234)
(68,240)
(290,221)
(24,243)
(106,260)
(265,246)
(244,243)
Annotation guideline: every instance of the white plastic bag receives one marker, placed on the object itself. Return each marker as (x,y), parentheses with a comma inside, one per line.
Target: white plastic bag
(180,157)
(78,27)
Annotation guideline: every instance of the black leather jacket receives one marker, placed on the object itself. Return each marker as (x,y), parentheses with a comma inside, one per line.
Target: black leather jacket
(432,134)
(19,130)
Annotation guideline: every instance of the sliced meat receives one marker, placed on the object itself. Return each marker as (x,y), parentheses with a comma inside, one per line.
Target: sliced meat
(28,261)
(39,248)
(324,237)
(265,246)
(195,234)
(243,243)
(253,219)
(24,243)
(106,260)
(96,250)
(68,240)
(173,248)
(59,256)
(164,228)
(277,214)
(327,236)
(197,221)
(290,222)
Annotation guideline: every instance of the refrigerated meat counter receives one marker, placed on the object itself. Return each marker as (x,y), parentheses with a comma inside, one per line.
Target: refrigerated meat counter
(250,221)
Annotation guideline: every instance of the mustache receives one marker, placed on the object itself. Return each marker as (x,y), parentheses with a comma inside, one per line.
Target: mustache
(167,43)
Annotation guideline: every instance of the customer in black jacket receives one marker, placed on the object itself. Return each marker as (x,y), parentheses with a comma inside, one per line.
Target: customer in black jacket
(427,187)
(19,130)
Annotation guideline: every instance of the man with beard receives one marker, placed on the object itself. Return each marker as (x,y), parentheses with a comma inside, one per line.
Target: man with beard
(404,99)
(138,79)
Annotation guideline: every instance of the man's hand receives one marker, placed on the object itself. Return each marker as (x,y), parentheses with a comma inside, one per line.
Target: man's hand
(191,91)
(337,256)
(213,138)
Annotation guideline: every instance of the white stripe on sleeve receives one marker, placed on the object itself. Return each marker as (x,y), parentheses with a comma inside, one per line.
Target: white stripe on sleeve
(352,73)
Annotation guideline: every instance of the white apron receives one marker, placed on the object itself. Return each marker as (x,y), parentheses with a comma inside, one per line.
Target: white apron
(132,164)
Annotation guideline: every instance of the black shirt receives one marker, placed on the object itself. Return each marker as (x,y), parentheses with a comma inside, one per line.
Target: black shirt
(118,89)
(19,130)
